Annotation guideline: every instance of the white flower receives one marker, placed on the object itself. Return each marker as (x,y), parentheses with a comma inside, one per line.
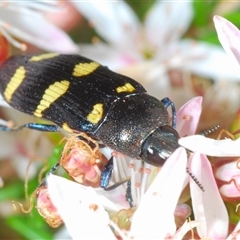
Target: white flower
(155,209)
(152,48)
(155,194)
(25,20)
(229,36)
(81,209)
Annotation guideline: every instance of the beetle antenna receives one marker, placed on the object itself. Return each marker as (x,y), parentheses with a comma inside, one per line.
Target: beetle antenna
(210,130)
(195,180)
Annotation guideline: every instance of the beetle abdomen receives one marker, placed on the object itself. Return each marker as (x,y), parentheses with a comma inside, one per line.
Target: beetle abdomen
(70,90)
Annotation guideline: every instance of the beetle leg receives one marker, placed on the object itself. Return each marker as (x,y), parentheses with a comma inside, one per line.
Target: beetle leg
(105,178)
(106,174)
(129,194)
(167,102)
(35,126)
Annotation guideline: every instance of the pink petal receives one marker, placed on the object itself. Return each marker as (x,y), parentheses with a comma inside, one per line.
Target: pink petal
(154,218)
(188,117)
(209,209)
(231,190)
(226,170)
(229,36)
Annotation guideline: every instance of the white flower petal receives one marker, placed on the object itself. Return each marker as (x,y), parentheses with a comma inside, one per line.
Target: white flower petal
(178,16)
(73,202)
(208,206)
(106,196)
(152,75)
(52,6)
(113,200)
(211,147)
(34,28)
(207,60)
(229,36)
(62,233)
(113,58)
(113,20)
(154,217)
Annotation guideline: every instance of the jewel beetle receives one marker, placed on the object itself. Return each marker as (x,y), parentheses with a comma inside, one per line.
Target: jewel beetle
(80,95)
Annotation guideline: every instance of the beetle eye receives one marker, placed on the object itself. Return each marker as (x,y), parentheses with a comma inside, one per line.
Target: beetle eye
(168,130)
(160,145)
(157,156)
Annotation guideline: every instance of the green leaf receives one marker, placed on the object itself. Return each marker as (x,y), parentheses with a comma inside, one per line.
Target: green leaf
(210,37)
(203,12)
(56,154)
(140,7)
(30,226)
(233,17)
(12,191)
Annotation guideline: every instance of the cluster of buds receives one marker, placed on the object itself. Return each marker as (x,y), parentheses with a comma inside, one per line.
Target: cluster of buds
(46,208)
(83,162)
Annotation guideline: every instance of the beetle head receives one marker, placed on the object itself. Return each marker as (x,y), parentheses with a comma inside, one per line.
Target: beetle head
(160,145)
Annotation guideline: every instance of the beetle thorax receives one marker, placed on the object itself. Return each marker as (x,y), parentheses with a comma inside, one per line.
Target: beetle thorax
(130,121)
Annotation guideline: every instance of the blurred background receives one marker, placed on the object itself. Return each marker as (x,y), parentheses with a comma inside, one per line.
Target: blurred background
(171,48)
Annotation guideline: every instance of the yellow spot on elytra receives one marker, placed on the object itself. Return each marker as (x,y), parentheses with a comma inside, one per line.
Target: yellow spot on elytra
(51,94)
(125,88)
(14,83)
(83,69)
(43,56)
(67,128)
(96,113)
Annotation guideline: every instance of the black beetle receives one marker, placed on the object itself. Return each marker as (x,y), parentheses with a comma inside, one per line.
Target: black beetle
(80,95)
